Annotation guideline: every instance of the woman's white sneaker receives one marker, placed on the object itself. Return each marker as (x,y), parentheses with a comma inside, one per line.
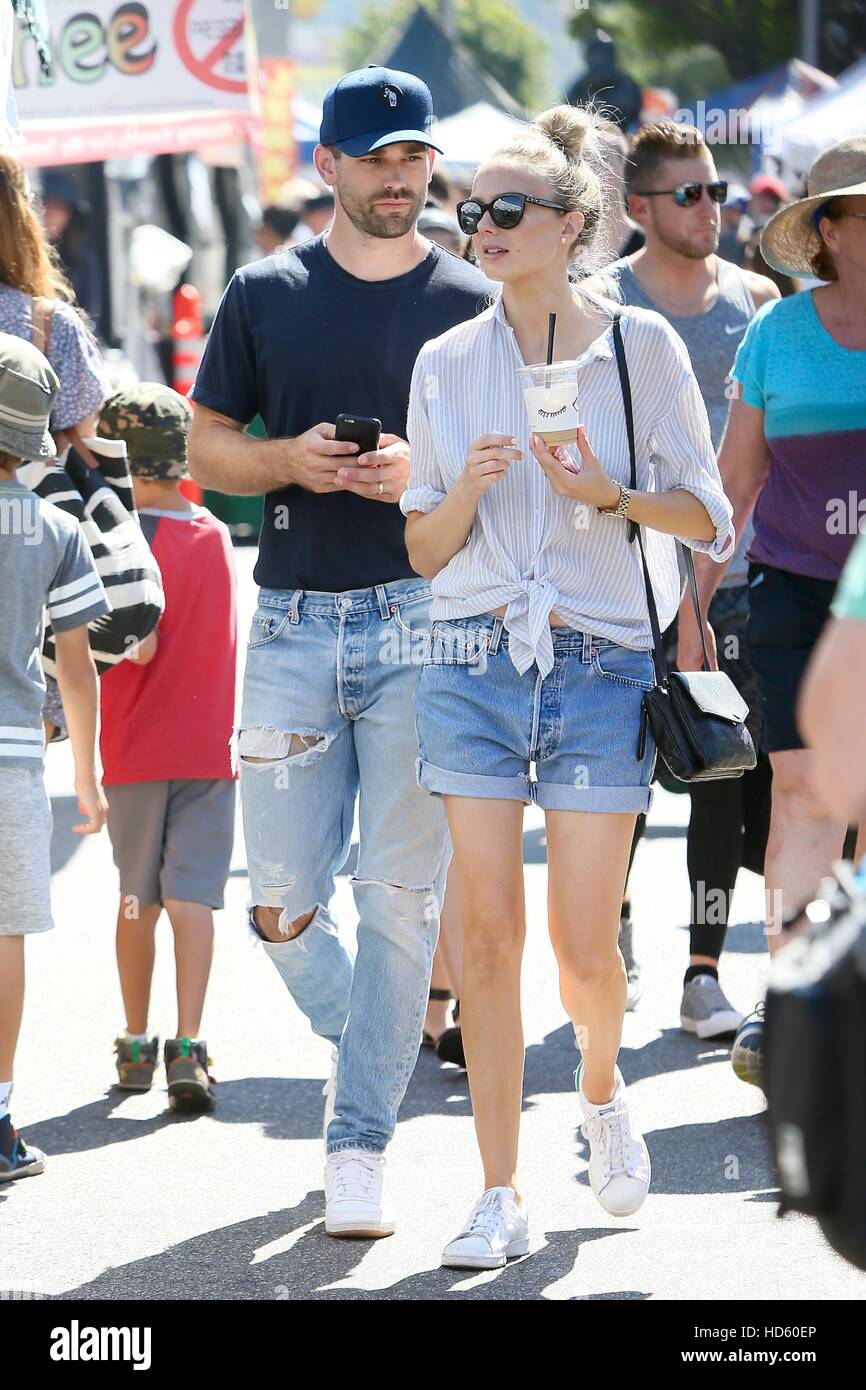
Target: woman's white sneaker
(354,1197)
(496,1231)
(619,1161)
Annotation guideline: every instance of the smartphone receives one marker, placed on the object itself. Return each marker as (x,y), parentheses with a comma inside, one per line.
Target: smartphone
(359,429)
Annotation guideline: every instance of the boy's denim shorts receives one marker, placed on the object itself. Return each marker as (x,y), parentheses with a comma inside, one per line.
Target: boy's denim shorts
(481,724)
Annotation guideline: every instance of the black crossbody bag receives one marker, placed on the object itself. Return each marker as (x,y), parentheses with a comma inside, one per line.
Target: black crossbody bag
(697,717)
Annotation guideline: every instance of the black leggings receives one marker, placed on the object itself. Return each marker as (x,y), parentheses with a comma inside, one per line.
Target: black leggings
(728,829)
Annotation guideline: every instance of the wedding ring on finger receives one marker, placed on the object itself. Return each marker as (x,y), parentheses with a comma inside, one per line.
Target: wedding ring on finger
(380,488)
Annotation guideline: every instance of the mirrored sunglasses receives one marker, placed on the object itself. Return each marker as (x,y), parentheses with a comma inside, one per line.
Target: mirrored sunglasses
(686,195)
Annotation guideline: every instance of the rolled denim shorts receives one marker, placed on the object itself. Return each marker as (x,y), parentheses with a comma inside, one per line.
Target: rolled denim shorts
(481,725)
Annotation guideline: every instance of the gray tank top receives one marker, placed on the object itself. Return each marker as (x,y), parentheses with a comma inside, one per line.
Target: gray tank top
(711,339)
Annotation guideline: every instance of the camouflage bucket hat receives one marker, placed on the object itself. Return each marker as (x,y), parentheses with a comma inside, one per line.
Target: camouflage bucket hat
(153,421)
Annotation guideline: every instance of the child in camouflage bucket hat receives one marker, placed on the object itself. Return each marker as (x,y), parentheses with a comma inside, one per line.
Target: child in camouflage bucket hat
(153,421)
(167,721)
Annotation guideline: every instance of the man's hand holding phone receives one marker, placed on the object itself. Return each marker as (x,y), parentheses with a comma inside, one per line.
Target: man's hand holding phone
(316,456)
(381,475)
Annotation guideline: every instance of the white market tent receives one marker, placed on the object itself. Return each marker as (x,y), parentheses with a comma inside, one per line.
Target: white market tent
(773,112)
(472,134)
(826,120)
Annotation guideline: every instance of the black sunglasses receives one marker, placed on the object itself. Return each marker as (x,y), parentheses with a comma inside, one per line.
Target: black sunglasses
(505,211)
(687,194)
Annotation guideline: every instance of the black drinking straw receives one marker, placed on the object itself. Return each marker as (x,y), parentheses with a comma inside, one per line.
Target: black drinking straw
(551,333)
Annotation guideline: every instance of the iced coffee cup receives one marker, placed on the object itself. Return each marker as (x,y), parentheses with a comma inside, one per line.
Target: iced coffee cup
(551,400)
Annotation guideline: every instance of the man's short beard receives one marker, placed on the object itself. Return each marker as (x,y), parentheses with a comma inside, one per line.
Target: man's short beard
(384,226)
(685,247)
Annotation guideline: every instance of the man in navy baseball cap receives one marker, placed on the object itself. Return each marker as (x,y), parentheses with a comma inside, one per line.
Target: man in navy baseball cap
(376,154)
(333,327)
(374,107)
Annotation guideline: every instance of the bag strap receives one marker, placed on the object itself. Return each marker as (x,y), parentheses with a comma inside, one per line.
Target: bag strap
(634,530)
(693,590)
(41,318)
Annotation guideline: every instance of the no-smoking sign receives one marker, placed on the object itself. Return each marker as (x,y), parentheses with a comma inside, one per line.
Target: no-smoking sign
(211,43)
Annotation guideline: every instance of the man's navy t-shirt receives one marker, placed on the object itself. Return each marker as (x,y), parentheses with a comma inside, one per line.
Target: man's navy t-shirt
(298,340)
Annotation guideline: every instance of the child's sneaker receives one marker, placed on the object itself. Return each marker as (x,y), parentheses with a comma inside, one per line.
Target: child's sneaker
(17,1159)
(136,1063)
(186,1067)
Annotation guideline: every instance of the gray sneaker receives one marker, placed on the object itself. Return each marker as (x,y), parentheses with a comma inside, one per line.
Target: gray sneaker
(632,969)
(705,1010)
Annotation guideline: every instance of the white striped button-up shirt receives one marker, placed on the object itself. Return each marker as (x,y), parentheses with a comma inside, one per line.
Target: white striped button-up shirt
(531,550)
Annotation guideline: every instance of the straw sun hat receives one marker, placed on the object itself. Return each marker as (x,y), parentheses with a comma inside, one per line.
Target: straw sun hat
(791,239)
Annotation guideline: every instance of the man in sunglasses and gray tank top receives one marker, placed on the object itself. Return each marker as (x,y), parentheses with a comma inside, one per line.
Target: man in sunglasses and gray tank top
(674,193)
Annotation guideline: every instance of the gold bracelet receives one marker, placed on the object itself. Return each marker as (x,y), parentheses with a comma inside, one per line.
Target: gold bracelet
(621,508)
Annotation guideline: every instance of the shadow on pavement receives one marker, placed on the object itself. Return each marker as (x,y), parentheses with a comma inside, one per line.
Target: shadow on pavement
(234,1262)
(286,1108)
(551,1064)
(622,1296)
(292,1107)
(731,1155)
(93,1126)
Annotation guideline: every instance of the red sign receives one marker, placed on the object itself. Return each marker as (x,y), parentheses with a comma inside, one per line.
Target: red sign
(205,66)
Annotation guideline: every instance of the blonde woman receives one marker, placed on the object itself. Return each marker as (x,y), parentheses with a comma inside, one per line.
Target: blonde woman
(540,647)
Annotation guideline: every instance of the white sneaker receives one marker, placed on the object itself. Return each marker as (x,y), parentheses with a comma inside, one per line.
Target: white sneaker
(619,1162)
(354,1202)
(496,1231)
(329,1091)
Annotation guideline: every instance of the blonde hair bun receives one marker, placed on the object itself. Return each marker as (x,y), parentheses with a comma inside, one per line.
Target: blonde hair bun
(565,146)
(567,127)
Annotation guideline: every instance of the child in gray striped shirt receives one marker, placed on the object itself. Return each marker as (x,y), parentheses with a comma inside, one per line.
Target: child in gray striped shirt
(44,563)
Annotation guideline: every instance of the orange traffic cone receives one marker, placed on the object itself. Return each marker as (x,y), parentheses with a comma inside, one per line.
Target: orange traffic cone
(188,340)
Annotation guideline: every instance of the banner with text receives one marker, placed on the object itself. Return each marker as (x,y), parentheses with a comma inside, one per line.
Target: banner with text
(135,78)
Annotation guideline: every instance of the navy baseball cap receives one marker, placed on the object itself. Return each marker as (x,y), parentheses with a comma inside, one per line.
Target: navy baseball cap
(373,107)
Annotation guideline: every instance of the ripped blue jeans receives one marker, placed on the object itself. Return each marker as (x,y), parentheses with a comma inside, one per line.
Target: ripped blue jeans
(328,715)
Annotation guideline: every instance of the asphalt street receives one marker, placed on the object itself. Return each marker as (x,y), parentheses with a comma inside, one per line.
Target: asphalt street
(137,1202)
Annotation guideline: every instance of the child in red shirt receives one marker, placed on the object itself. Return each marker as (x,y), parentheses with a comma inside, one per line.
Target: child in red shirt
(167,721)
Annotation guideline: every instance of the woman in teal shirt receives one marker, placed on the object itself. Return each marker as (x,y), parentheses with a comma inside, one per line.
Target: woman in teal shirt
(795,451)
